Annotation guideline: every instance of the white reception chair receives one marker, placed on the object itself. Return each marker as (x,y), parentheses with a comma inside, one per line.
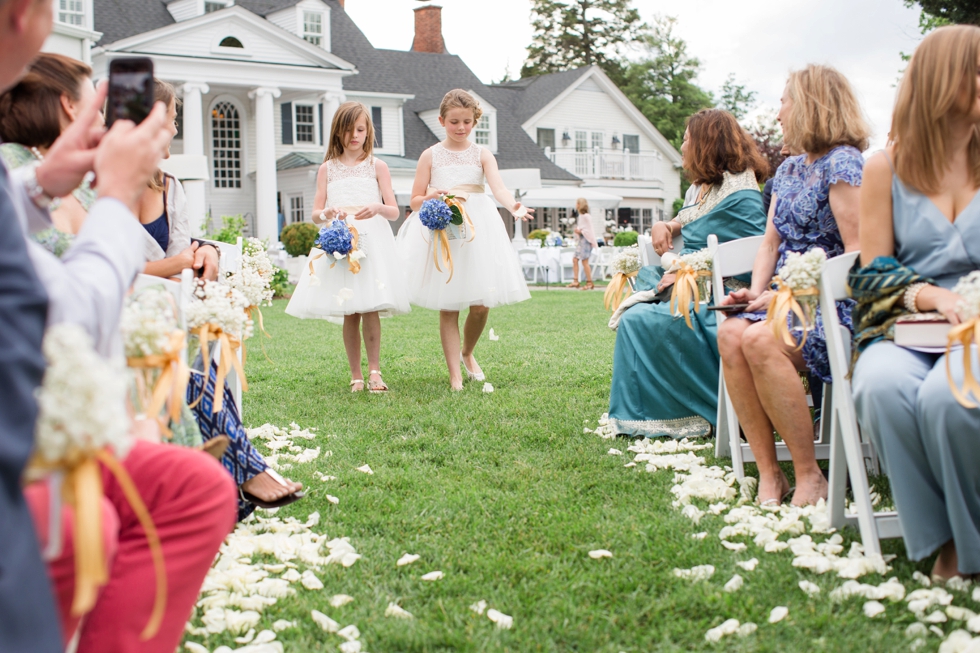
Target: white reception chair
(530,264)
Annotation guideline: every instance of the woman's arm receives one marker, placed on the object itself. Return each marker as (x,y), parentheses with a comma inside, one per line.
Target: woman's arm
(172,266)
(877,231)
(388,209)
(497,187)
(420,189)
(845,202)
(178,217)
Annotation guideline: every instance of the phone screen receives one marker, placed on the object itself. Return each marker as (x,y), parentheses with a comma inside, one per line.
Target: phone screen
(131,89)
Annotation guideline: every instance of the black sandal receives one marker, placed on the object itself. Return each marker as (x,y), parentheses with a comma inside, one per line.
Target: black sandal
(278,503)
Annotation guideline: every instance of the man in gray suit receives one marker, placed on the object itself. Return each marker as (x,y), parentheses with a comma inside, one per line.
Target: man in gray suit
(87,288)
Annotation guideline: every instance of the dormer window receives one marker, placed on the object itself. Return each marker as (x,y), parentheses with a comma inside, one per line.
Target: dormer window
(71,12)
(313,27)
(210,7)
(231,42)
(481,133)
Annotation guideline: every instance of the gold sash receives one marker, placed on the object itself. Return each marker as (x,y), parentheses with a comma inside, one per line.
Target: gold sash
(783,303)
(686,291)
(966,334)
(440,250)
(171,386)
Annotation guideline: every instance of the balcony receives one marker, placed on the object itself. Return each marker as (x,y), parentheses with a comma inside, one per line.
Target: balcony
(598,164)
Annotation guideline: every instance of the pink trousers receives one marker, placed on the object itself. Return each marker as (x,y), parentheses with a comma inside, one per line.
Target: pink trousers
(192,501)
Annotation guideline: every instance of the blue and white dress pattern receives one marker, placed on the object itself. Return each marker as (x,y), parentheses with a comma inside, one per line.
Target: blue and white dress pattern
(804,220)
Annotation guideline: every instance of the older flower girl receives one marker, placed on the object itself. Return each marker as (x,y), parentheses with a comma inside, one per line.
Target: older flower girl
(354,188)
(478,268)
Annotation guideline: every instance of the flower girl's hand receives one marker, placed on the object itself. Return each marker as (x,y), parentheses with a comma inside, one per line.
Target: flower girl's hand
(329,214)
(435,194)
(369,211)
(521,213)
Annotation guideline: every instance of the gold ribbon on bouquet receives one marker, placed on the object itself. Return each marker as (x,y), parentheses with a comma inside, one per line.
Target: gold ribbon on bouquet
(82,489)
(353,266)
(783,303)
(456,196)
(171,385)
(258,311)
(965,334)
(686,291)
(229,360)
(617,290)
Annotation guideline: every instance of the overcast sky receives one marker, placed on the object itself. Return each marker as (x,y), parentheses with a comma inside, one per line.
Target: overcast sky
(758,40)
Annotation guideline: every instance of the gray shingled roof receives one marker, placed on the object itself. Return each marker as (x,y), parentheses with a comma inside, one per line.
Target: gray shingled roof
(429,77)
(525,97)
(120,19)
(304,159)
(266,7)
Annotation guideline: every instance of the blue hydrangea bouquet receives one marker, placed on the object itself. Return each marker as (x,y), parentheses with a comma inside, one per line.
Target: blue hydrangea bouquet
(339,241)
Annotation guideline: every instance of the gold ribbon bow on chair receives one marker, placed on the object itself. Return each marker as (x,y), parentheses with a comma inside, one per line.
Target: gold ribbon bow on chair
(783,303)
(455,197)
(229,360)
(965,334)
(171,385)
(686,291)
(617,290)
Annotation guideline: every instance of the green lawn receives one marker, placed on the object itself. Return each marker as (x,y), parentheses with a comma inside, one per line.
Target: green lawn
(505,494)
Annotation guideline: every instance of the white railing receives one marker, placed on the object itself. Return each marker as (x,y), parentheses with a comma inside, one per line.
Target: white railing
(597,164)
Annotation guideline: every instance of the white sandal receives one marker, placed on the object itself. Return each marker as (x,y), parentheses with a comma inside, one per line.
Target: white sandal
(472,376)
(376,387)
(355,382)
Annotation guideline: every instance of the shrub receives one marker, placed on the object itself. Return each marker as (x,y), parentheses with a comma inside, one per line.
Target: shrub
(539,234)
(232,226)
(280,282)
(625,239)
(298,238)
(677,205)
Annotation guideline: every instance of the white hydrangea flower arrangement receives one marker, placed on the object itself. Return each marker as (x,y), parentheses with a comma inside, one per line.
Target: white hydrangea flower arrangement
(222,306)
(254,280)
(148,320)
(82,400)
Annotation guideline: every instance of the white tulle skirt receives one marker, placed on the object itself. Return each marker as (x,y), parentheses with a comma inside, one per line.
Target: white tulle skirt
(336,292)
(486,270)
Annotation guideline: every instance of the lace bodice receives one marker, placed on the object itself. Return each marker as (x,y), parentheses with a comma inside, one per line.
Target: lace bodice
(352,185)
(451,169)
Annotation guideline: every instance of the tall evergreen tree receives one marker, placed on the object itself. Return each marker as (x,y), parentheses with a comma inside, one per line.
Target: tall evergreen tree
(574,33)
(663,83)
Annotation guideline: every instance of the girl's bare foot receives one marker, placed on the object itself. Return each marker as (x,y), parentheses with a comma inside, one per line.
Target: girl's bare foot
(772,488)
(810,488)
(266,488)
(947,563)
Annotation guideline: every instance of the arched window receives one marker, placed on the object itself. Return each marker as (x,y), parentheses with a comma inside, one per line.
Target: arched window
(231,42)
(226,146)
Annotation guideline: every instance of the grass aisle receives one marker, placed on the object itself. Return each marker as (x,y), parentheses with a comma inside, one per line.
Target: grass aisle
(505,494)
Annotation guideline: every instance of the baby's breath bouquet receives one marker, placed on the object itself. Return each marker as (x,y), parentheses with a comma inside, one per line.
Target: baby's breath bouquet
(254,280)
(966,334)
(626,265)
(692,283)
(217,312)
(797,295)
(154,351)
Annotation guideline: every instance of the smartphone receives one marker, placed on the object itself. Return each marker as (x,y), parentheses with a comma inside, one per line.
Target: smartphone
(131,90)
(729,308)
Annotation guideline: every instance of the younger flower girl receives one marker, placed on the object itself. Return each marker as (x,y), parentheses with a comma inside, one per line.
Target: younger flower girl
(482,269)
(354,187)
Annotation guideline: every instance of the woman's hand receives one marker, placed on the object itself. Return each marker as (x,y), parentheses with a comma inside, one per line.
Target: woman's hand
(947,303)
(756,301)
(662,236)
(187,257)
(666,281)
(206,260)
(578,231)
(369,211)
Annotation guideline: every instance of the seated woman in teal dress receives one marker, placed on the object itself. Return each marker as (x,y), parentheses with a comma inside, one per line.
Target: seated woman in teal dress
(665,374)
(920,231)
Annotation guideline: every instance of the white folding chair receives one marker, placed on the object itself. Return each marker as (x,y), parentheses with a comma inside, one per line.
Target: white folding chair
(565,256)
(603,261)
(646,252)
(530,264)
(847,452)
(231,257)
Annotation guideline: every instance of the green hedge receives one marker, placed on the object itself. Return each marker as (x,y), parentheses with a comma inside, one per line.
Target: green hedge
(625,239)
(298,238)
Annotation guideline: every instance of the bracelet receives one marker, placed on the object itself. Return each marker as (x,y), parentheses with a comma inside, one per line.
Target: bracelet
(911,295)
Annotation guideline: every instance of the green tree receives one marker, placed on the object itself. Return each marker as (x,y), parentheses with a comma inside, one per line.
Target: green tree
(735,99)
(662,84)
(575,33)
(936,13)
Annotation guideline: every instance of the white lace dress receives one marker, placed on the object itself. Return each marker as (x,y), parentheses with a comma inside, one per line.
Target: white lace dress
(486,270)
(379,285)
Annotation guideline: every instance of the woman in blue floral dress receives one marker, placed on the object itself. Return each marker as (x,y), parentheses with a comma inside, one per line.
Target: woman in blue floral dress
(815,204)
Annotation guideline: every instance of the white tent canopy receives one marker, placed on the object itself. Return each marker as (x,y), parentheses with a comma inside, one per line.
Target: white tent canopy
(564,197)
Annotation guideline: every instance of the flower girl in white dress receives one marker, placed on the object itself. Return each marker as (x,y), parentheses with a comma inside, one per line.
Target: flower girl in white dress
(353,186)
(485,271)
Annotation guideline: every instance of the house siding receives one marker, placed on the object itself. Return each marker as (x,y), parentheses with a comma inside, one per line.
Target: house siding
(201,42)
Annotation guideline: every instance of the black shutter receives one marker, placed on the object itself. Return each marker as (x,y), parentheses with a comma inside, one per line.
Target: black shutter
(323,128)
(287,123)
(376,119)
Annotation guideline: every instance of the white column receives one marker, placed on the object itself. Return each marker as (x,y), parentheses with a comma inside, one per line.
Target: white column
(266,219)
(194,146)
(331,102)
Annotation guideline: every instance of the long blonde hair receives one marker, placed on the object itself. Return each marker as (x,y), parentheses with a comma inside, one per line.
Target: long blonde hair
(933,90)
(825,112)
(343,124)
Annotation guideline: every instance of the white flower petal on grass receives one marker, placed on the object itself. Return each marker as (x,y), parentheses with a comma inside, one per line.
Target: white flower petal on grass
(959,641)
(748,565)
(746,629)
(332,499)
(247,637)
(735,584)
(292,576)
(699,536)
(976,595)
(729,627)
(282,624)
(973,625)
(959,614)
(778,614)
(340,600)
(349,632)
(350,646)
(274,569)
(872,609)
(614,452)
(264,637)
(921,578)
(696,574)
(433,575)
(630,464)
(493,336)
(503,621)
(310,581)
(396,611)
(407,559)
(194,647)
(488,388)
(916,630)
(479,607)
(811,589)
(366,469)
(958,584)
(600,553)
(324,622)
(937,631)
(693,513)
(936,617)
(734,546)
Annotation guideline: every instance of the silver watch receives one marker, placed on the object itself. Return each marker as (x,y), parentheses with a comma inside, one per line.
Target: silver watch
(37,194)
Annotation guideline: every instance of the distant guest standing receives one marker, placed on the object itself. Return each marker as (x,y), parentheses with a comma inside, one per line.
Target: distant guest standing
(586,243)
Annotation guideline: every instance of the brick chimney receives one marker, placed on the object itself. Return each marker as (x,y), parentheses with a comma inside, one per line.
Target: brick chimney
(428,30)
(341,3)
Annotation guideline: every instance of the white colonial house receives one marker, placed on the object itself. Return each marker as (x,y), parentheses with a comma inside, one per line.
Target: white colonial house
(261,79)
(74,32)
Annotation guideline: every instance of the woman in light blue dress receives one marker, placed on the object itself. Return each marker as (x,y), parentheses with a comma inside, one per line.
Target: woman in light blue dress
(920,233)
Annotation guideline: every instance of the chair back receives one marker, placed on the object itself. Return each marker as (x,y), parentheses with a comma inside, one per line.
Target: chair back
(730,259)
(647,254)
(231,257)
(565,255)
(833,287)
(528,256)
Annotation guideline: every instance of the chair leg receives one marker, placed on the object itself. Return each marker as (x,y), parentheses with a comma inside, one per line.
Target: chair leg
(734,441)
(836,492)
(723,447)
(859,480)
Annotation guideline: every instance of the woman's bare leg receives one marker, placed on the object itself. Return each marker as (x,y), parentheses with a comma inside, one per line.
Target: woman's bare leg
(751,415)
(588,271)
(775,368)
(372,342)
(947,562)
(449,333)
(476,321)
(352,344)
